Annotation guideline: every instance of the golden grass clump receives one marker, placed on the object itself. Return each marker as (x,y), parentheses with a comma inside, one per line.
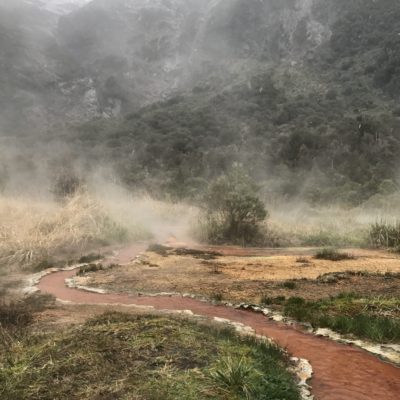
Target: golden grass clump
(32,231)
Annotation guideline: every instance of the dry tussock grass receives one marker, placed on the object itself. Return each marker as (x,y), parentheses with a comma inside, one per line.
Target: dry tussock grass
(31,231)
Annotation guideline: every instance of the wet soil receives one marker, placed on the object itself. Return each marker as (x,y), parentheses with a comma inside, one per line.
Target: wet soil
(341,372)
(249,278)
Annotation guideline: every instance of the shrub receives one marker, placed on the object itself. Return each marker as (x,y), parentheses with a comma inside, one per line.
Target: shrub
(90,258)
(18,314)
(233,210)
(15,314)
(295,301)
(43,265)
(217,296)
(332,255)
(289,285)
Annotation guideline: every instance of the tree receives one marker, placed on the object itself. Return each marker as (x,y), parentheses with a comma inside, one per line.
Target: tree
(234,210)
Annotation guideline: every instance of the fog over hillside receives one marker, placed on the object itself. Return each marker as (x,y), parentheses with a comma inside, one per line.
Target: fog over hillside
(59,7)
(112,56)
(168,94)
(193,193)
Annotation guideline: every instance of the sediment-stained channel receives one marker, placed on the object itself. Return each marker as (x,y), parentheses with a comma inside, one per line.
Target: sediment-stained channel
(341,372)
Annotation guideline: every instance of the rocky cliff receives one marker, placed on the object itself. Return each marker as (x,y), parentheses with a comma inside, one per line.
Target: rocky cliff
(80,59)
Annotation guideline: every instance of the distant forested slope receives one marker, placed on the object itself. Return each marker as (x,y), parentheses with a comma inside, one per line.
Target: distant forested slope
(325,127)
(302,93)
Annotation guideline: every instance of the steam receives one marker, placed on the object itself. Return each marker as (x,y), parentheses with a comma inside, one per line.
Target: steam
(67,62)
(162,219)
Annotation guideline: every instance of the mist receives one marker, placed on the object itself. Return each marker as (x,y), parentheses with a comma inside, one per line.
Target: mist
(140,105)
(193,193)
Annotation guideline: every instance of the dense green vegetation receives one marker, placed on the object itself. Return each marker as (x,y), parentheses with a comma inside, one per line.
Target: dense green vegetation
(319,123)
(149,357)
(368,29)
(374,318)
(326,130)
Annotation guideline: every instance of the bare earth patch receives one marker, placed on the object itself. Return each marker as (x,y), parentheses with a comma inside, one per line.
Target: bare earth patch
(243,277)
(352,378)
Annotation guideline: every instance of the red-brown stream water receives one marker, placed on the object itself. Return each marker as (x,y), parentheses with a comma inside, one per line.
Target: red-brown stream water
(341,372)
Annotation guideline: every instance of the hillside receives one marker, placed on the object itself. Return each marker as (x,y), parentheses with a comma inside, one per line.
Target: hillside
(171,93)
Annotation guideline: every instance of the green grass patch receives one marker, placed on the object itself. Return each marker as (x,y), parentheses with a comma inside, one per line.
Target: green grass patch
(374,318)
(332,254)
(117,356)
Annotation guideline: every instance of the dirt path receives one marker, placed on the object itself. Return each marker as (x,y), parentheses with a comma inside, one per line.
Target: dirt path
(340,372)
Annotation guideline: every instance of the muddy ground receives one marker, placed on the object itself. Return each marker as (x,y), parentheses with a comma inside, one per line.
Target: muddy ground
(250,275)
(339,371)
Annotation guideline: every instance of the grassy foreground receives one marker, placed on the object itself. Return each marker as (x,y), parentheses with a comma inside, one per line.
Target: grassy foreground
(118,356)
